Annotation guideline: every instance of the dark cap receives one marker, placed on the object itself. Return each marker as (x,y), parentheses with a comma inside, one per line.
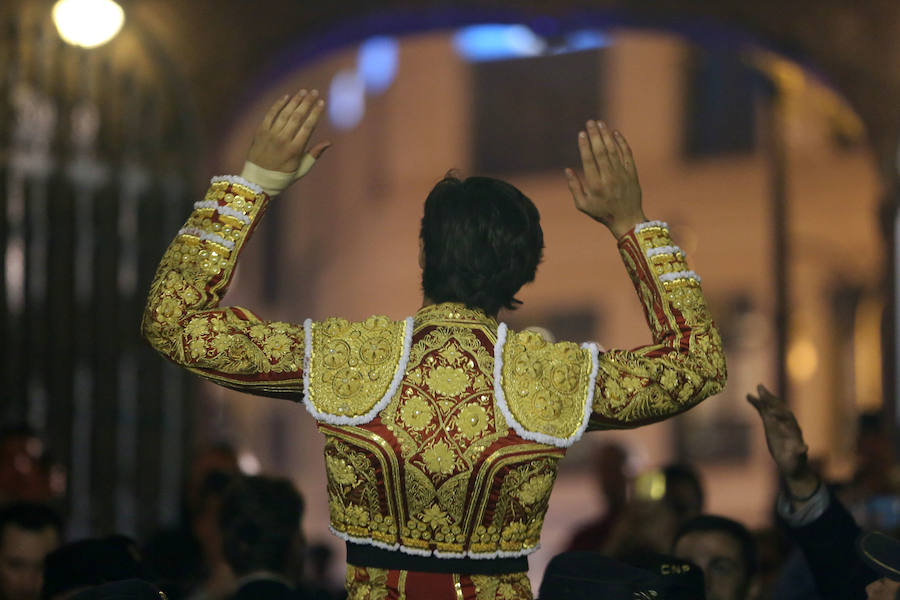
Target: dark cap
(880,552)
(677,578)
(583,575)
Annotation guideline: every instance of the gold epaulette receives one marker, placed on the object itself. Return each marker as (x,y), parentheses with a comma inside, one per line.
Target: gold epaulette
(544,390)
(352,370)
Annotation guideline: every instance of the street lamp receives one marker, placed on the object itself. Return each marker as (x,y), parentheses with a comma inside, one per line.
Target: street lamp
(88,23)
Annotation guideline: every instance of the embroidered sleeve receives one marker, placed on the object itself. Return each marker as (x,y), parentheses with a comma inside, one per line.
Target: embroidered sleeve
(182,319)
(685,364)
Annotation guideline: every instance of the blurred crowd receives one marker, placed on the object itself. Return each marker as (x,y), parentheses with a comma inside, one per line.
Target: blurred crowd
(240,536)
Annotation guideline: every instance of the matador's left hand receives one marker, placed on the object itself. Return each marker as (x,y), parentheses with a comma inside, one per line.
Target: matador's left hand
(282,139)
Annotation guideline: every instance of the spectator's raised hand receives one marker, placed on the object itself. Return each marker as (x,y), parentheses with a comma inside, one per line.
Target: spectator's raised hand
(282,139)
(785,441)
(608,191)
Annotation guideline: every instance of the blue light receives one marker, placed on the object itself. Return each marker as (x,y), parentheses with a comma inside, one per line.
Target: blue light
(346,99)
(495,42)
(586,39)
(377,63)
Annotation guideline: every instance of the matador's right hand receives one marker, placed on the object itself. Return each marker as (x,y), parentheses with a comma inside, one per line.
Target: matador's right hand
(282,139)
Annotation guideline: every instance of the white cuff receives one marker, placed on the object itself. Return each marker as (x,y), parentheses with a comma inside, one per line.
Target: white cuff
(811,510)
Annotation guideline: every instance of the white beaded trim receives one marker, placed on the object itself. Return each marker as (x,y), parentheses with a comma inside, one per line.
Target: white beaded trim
(439,554)
(667,277)
(651,252)
(236,179)
(209,237)
(236,214)
(379,406)
(222,210)
(436,553)
(365,541)
(648,224)
(414,551)
(500,397)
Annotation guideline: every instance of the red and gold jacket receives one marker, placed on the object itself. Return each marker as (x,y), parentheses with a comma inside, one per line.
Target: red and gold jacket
(442,431)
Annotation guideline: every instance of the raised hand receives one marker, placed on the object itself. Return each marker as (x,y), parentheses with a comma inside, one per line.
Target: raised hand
(785,441)
(608,191)
(282,139)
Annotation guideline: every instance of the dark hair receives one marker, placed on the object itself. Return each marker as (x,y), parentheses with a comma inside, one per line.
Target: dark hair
(260,519)
(30,516)
(740,534)
(483,241)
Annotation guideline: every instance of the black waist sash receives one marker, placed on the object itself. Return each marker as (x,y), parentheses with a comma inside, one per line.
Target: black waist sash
(362,555)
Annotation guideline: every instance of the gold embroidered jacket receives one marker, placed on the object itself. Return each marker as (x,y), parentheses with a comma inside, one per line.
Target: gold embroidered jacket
(443,431)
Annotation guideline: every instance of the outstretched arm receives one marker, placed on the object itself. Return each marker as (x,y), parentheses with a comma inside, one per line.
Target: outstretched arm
(685,364)
(182,319)
(816,521)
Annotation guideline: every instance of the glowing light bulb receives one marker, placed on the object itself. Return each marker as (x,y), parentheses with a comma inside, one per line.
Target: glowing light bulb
(88,23)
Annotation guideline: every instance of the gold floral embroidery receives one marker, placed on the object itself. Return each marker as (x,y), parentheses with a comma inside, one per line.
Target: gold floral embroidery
(339,471)
(669,380)
(536,488)
(472,420)
(448,381)
(416,413)
(439,458)
(435,517)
